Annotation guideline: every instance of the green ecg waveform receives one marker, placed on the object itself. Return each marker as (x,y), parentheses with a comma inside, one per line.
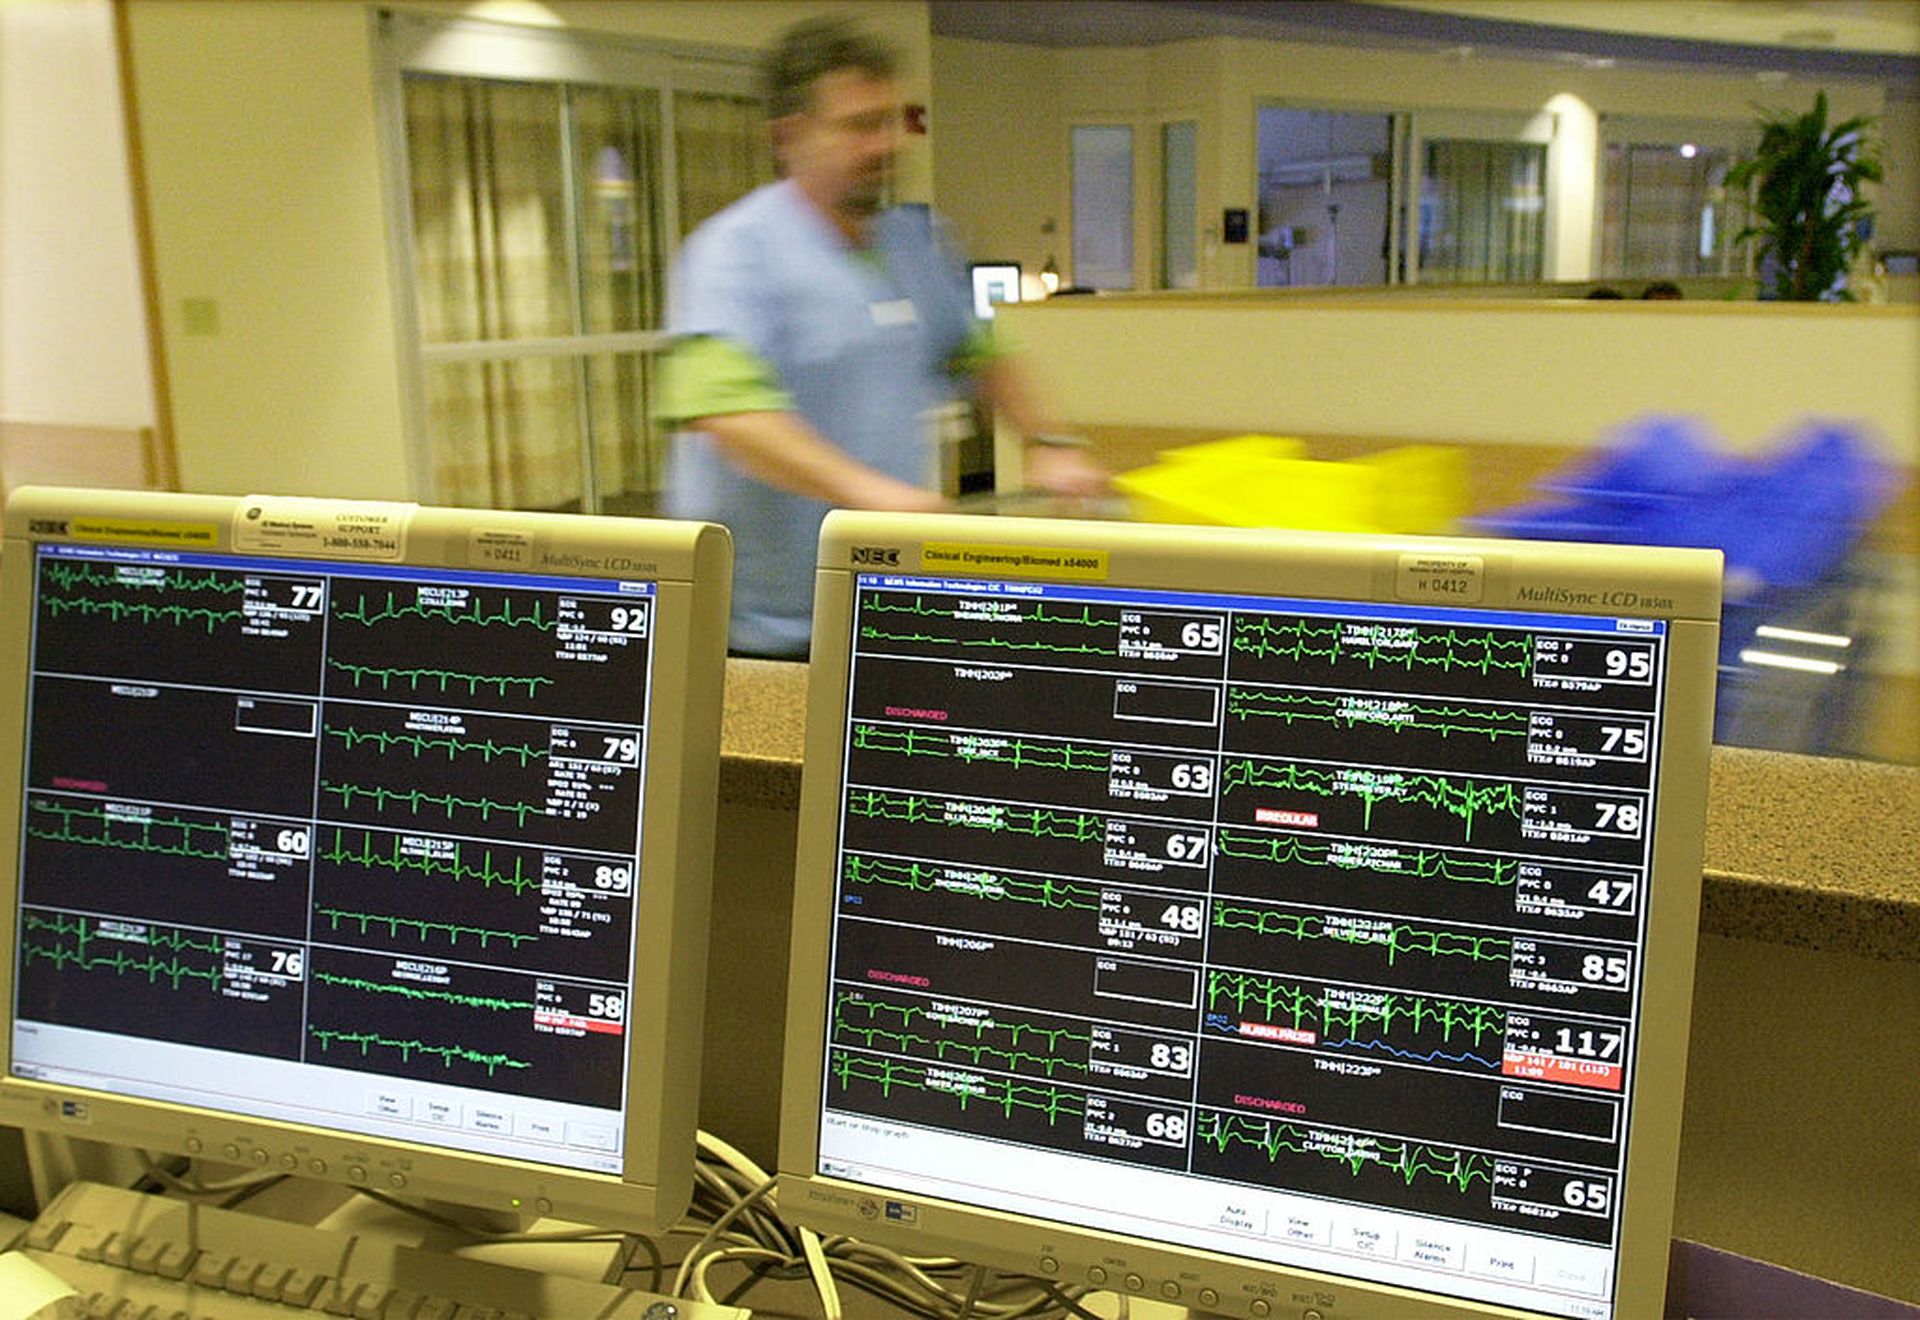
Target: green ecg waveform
(419,744)
(447,1054)
(1017,753)
(146,842)
(414,677)
(1300,640)
(999,1093)
(69,576)
(84,936)
(914,808)
(360,612)
(973,883)
(454,866)
(1395,937)
(413,797)
(493,1002)
(180,616)
(1461,798)
(904,1035)
(1369,1015)
(1415,717)
(1409,1160)
(1421,863)
(1084,619)
(453,929)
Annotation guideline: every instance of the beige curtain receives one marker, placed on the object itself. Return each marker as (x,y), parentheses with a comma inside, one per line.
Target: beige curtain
(1483,212)
(489,260)
(722,150)
(1655,202)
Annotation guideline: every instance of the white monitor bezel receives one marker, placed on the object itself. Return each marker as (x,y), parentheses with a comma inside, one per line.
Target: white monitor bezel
(1678,586)
(690,565)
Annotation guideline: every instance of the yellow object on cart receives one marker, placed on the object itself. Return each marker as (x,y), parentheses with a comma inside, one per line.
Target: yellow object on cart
(1258,481)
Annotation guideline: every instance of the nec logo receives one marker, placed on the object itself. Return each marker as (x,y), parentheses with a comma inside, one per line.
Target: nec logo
(876,554)
(47,527)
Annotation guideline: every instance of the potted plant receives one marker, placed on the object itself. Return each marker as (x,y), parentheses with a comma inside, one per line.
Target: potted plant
(1808,212)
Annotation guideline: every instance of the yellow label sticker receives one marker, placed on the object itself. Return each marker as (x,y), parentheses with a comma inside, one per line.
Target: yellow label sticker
(1065,563)
(126,531)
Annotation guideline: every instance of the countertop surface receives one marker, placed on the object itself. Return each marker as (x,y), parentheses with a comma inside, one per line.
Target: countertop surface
(1801,850)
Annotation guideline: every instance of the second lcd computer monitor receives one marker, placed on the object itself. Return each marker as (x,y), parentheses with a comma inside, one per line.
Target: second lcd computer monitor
(1266,922)
(363,841)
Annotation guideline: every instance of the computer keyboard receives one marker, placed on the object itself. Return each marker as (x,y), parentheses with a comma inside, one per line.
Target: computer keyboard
(133,1256)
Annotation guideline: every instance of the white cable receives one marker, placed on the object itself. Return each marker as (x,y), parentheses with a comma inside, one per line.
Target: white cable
(822,1275)
(698,1282)
(730,1156)
(720,1226)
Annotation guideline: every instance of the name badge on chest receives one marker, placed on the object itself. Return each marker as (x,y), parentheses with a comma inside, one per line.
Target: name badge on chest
(893,312)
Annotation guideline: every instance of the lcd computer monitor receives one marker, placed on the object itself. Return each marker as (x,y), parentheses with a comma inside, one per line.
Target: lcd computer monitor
(1274,923)
(362,841)
(994,282)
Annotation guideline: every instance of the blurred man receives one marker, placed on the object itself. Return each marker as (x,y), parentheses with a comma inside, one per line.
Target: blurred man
(815,328)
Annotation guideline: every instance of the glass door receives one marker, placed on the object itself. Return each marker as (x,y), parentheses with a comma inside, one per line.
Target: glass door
(1179,205)
(1477,198)
(1102,158)
(534,216)
(1665,211)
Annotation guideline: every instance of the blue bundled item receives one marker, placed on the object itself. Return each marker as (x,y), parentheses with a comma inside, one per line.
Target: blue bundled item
(1783,521)
(1650,459)
(1796,517)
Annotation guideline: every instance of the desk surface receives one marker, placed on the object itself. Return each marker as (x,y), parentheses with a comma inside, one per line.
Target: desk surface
(1801,850)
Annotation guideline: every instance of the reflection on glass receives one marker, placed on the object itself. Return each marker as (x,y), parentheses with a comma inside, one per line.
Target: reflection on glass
(1482,211)
(1325,197)
(617,165)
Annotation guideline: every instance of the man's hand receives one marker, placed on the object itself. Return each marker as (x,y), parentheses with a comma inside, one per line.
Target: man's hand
(877,490)
(1064,470)
(781,449)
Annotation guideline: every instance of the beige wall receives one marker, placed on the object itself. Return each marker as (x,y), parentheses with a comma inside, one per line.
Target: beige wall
(73,345)
(1556,373)
(1226,80)
(1000,153)
(265,205)
(264,172)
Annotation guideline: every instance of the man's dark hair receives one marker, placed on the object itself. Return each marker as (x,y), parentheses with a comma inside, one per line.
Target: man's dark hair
(807,52)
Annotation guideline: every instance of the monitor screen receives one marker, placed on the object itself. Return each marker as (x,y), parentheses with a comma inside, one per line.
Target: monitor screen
(1254,920)
(994,282)
(366,841)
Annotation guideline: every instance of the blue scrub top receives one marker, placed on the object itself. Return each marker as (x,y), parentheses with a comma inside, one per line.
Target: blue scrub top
(862,341)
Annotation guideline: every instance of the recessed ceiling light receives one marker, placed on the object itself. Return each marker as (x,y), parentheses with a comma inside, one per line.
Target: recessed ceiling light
(1772,77)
